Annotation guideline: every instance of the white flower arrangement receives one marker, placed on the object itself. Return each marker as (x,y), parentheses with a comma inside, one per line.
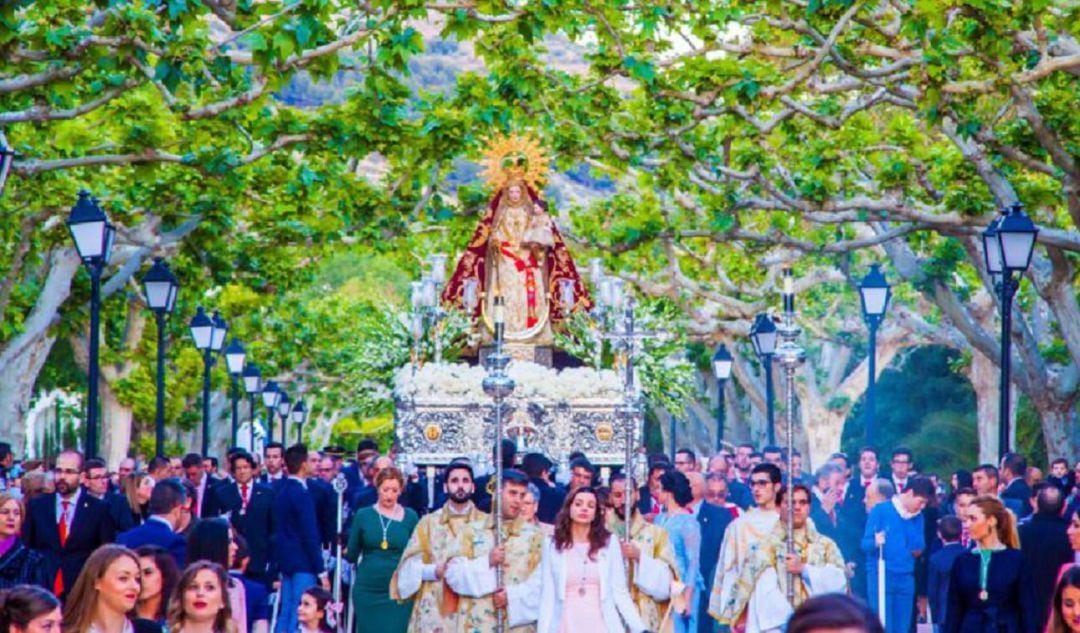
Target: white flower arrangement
(534,382)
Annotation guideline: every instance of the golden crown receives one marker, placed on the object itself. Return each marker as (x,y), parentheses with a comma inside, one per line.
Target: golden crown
(515,157)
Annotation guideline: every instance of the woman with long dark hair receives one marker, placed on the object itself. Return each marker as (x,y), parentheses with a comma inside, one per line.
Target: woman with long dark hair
(200,603)
(684,534)
(158,577)
(583,575)
(27,608)
(1065,617)
(211,540)
(19,565)
(990,588)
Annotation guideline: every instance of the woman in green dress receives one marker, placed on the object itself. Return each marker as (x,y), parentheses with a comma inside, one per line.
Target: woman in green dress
(377,538)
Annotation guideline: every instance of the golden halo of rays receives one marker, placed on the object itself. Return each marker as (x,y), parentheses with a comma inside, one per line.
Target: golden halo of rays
(515,157)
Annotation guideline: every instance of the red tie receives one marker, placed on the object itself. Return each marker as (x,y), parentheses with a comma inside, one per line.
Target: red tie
(58,584)
(243,497)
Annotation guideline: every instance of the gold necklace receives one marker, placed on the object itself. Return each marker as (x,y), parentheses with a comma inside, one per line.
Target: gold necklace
(385,526)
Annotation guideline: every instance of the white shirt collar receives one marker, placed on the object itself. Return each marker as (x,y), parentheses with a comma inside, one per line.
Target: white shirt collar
(155,517)
(71,503)
(302,482)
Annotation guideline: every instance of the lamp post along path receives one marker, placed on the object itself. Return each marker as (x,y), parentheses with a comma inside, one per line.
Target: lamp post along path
(722,362)
(159,289)
(252,385)
(234,361)
(763,336)
(93,236)
(1008,244)
(874,295)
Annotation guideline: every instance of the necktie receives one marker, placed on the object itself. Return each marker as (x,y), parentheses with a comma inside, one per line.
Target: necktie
(243,497)
(63,526)
(58,584)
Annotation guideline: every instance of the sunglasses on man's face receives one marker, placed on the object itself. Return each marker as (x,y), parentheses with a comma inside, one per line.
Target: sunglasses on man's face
(759,482)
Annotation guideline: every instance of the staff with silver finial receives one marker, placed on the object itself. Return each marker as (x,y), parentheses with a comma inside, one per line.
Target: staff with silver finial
(498,385)
(340,485)
(790,356)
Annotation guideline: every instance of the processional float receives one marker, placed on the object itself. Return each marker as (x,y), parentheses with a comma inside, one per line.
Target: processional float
(517,284)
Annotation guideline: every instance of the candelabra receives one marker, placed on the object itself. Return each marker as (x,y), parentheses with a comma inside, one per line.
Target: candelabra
(790,356)
(427,313)
(625,338)
(498,385)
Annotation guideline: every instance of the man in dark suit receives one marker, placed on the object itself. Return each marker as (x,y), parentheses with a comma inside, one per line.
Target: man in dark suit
(204,483)
(713,521)
(95,479)
(485,484)
(325,499)
(851,519)
(296,536)
(68,524)
(538,469)
(1013,470)
(249,506)
(1044,544)
(166,507)
(941,564)
(738,492)
(647,505)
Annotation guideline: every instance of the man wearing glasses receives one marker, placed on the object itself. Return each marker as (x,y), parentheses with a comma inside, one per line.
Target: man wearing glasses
(67,525)
(901,468)
(746,532)
(95,478)
(816,567)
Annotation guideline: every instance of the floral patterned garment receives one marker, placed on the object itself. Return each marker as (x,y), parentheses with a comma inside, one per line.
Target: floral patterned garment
(434,541)
(813,549)
(524,545)
(653,542)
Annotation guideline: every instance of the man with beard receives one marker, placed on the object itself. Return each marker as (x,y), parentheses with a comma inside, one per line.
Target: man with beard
(649,556)
(471,573)
(435,540)
(68,524)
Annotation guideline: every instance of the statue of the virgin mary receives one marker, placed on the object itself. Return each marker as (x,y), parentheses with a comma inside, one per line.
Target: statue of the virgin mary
(517,252)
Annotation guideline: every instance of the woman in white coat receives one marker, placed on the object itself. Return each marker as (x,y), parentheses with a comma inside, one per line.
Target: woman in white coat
(582,573)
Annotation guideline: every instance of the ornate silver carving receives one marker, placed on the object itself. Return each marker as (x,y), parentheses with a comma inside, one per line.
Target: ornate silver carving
(553,428)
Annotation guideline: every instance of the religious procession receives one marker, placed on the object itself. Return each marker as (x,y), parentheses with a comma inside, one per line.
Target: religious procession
(535,316)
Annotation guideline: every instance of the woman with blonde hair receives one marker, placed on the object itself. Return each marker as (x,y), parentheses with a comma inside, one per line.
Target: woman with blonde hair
(200,603)
(137,488)
(19,565)
(990,588)
(106,590)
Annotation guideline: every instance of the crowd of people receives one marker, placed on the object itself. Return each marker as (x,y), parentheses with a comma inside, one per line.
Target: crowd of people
(253,544)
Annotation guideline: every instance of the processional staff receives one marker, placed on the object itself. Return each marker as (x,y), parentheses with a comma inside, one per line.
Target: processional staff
(340,485)
(498,385)
(790,356)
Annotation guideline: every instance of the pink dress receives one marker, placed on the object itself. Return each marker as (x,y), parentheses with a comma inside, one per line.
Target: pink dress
(581,609)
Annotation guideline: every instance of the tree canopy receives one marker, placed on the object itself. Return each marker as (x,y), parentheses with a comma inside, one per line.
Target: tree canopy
(251,142)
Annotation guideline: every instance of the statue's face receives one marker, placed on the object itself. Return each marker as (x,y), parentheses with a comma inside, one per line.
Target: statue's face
(514,193)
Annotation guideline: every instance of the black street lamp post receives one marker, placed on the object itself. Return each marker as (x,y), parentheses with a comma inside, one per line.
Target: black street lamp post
(252,385)
(763,335)
(721,362)
(1008,244)
(159,288)
(93,236)
(299,416)
(284,406)
(209,336)
(234,360)
(270,395)
(874,295)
